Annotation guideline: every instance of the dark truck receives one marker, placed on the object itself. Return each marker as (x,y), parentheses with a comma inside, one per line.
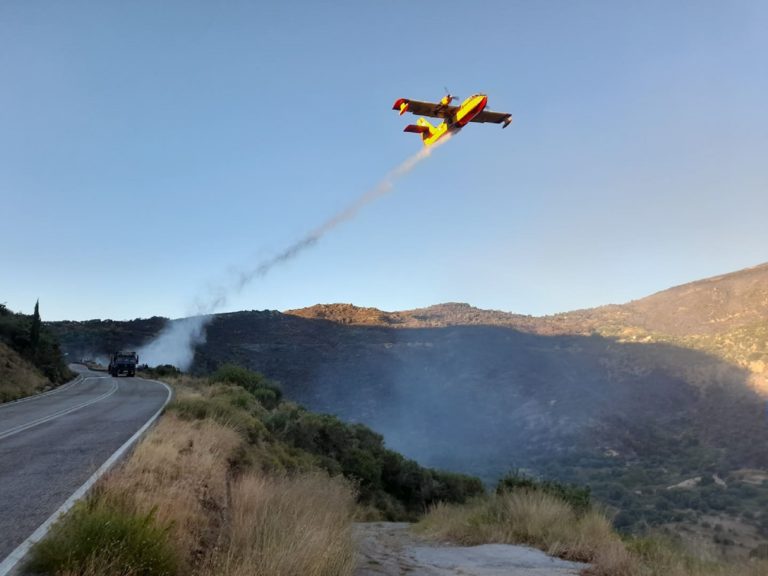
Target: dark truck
(123,363)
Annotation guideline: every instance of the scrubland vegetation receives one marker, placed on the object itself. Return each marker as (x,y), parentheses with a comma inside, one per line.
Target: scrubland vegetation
(235,481)
(30,358)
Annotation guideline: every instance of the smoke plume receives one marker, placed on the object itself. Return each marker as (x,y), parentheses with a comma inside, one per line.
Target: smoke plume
(176,343)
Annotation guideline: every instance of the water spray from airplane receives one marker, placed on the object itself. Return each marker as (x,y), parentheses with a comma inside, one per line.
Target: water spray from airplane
(176,343)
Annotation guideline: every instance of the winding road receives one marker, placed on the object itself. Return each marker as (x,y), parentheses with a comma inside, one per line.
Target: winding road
(51,446)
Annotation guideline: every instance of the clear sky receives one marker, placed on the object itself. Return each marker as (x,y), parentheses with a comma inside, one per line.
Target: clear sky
(149,150)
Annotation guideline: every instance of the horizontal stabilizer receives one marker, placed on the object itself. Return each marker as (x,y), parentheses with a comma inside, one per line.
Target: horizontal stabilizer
(416,129)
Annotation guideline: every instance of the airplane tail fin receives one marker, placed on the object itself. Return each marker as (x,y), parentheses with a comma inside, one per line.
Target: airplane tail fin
(422,127)
(416,129)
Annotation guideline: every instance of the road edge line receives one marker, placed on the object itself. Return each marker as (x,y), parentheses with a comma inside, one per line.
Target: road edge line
(13,559)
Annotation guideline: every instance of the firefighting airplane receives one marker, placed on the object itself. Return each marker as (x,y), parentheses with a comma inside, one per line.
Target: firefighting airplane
(454,117)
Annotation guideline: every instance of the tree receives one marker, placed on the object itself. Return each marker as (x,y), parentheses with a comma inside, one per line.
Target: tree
(34,331)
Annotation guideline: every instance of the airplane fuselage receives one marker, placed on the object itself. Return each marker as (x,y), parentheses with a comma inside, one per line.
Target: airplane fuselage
(468,109)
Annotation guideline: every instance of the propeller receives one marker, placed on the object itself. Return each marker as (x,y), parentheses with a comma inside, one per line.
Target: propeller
(448,98)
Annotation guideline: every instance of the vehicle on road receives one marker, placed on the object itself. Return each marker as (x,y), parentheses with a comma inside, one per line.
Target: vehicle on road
(123,363)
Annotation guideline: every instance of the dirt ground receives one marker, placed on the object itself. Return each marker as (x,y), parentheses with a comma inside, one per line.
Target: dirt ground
(390,549)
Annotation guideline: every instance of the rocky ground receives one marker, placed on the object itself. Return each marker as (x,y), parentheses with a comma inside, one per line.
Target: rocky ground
(391,549)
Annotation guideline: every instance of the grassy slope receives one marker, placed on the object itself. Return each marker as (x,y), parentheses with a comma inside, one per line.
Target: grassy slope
(27,367)
(18,377)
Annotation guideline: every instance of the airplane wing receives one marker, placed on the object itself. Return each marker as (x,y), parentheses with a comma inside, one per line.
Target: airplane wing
(495,117)
(432,109)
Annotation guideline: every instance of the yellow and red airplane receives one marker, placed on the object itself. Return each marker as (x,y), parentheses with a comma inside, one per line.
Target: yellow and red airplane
(454,117)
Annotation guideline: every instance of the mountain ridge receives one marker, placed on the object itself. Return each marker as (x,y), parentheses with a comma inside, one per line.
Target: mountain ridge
(638,311)
(725,315)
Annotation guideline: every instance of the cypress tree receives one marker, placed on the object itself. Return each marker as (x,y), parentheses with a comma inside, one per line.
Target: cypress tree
(34,332)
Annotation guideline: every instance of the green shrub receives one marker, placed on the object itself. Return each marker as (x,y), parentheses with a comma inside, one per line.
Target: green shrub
(161,371)
(579,497)
(223,412)
(34,342)
(266,391)
(454,487)
(286,437)
(360,454)
(98,537)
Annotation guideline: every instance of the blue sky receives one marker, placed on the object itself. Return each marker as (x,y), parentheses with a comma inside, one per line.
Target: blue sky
(148,150)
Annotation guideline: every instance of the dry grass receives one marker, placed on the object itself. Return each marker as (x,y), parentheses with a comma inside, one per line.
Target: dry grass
(289,526)
(545,522)
(184,475)
(99,536)
(18,378)
(660,557)
(180,472)
(528,517)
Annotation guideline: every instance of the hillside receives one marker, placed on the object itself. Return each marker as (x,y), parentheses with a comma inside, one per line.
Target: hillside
(716,305)
(724,315)
(599,396)
(18,377)
(30,357)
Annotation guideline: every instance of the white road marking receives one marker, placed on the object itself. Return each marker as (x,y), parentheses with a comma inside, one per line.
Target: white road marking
(49,417)
(10,562)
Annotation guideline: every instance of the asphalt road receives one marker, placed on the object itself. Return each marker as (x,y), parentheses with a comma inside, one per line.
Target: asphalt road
(51,444)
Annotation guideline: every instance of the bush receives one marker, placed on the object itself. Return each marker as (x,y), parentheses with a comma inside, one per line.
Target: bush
(361,455)
(287,437)
(222,411)
(161,371)
(579,497)
(98,537)
(265,391)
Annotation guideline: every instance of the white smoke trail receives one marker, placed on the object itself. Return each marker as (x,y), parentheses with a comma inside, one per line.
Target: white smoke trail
(176,343)
(246,276)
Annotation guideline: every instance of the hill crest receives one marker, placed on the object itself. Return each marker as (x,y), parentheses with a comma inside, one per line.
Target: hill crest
(712,305)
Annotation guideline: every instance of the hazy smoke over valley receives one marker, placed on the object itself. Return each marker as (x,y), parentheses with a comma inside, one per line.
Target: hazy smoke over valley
(176,344)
